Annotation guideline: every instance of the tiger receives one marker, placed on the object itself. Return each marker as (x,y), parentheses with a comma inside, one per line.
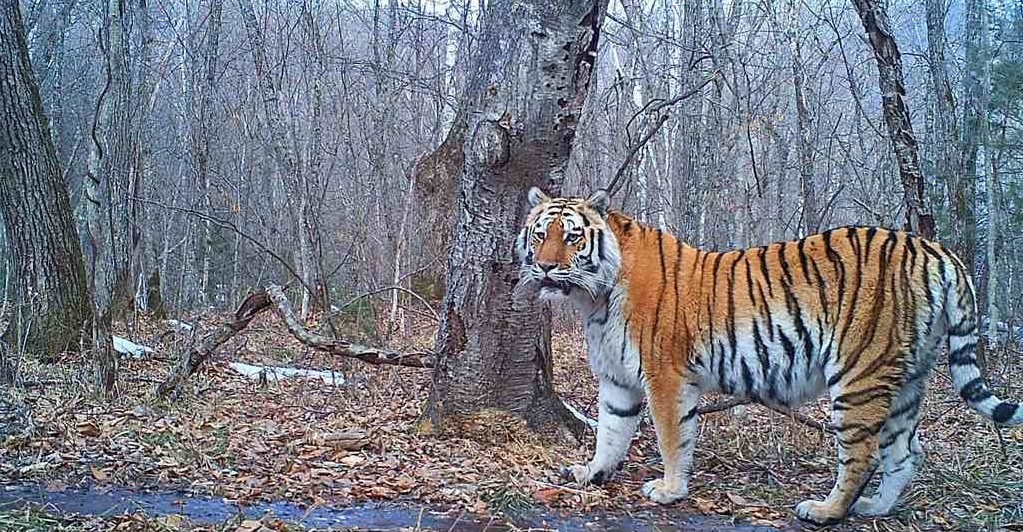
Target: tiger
(859,313)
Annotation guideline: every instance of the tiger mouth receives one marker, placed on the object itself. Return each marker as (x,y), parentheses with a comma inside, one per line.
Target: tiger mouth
(547,282)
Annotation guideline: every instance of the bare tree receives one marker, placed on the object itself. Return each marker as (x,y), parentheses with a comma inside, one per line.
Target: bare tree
(48,277)
(492,354)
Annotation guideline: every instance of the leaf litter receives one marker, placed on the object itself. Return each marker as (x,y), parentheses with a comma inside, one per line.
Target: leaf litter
(318,444)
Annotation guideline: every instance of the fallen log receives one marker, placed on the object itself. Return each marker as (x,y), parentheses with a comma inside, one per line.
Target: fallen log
(272,296)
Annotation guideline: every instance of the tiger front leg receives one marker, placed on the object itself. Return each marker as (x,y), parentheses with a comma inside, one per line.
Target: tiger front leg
(673,404)
(616,424)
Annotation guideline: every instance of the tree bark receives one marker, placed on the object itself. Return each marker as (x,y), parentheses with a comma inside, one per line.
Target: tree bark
(533,70)
(48,277)
(976,103)
(874,15)
(947,164)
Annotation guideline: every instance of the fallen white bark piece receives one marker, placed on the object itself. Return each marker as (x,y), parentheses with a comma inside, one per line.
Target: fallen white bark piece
(127,347)
(178,326)
(590,422)
(278,373)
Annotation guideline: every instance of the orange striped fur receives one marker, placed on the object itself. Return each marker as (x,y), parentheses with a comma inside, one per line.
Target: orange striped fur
(858,313)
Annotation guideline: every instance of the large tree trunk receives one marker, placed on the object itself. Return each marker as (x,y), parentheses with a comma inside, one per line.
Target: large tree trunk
(48,276)
(874,15)
(533,70)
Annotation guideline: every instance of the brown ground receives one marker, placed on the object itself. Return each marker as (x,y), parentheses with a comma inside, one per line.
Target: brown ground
(233,437)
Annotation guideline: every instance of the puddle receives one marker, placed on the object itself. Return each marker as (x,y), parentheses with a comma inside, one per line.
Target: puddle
(98,501)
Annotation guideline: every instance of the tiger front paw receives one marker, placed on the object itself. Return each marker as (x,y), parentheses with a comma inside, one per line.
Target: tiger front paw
(819,513)
(660,492)
(583,474)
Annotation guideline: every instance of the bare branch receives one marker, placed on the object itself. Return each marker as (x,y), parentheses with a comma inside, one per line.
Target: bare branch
(792,414)
(652,107)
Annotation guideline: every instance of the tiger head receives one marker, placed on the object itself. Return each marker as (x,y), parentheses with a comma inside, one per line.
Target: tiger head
(566,248)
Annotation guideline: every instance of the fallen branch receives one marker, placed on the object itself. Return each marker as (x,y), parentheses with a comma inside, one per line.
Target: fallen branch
(372,355)
(273,297)
(792,414)
(194,356)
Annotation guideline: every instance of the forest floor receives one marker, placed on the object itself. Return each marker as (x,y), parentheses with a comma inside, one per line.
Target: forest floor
(320,445)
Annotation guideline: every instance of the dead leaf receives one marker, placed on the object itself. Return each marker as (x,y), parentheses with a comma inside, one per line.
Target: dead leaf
(249,525)
(739,500)
(99,474)
(88,429)
(703,505)
(352,460)
(547,496)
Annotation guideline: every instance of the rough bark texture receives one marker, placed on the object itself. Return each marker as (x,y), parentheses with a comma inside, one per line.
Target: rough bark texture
(48,277)
(874,16)
(533,70)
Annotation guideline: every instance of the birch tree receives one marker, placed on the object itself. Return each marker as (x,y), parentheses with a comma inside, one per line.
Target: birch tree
(874,15)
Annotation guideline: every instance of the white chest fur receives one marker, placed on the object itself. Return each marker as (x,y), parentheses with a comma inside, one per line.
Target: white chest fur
(610,352)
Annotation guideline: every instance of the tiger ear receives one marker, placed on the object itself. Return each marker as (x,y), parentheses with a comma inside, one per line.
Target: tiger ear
(599,201)
(537,196)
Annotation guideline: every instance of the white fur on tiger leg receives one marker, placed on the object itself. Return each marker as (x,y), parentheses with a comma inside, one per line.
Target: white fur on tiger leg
(616,424)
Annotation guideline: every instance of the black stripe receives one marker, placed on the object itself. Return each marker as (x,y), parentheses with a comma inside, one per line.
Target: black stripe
(747,377)
(631,411)
(803,265)
(660,293)
(732,341)
(764,273)
(975,391)
(687,416)
(964,355)
(1004,412)
(758,342)
(790,351)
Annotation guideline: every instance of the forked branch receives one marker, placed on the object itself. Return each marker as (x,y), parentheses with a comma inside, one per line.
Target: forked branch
(273,297)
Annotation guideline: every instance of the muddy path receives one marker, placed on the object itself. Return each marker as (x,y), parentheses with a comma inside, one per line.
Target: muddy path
(200,510)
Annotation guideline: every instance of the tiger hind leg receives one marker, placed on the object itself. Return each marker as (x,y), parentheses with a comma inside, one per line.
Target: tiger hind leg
(673,406)
(859,415)
(901,455)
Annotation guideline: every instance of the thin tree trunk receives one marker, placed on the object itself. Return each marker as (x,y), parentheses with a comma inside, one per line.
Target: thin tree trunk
(947,165)
(493,353)
(807,187)
(873,14)
(976,103)
(47,267)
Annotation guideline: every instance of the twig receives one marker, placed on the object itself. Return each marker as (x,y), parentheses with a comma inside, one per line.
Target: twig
(650,107)
(386,289)
(724,405)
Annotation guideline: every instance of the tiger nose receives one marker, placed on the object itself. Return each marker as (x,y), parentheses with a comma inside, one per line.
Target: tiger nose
(547,266)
